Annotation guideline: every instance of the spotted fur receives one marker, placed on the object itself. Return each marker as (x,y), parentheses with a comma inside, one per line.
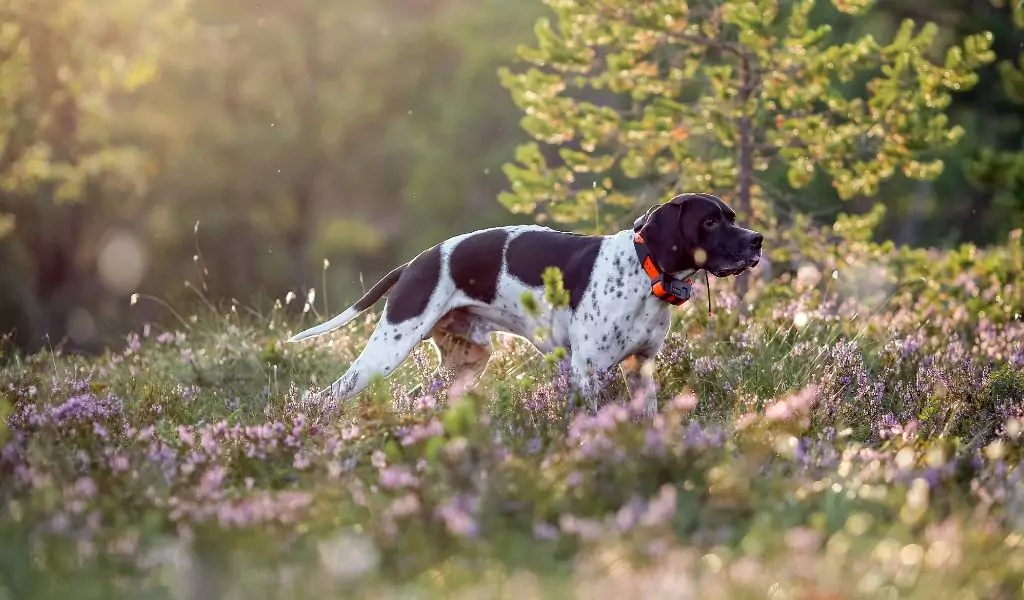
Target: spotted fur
(466,287)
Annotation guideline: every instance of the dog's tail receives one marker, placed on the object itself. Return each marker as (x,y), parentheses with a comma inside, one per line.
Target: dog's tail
(369,299)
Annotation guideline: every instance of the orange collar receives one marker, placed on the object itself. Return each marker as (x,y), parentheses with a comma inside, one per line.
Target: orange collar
(665,287)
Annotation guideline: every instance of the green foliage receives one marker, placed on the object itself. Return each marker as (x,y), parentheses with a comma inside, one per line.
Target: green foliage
(64,68)
(650,99)
(1002,171)
(357,131)
(555,297)
(554,288)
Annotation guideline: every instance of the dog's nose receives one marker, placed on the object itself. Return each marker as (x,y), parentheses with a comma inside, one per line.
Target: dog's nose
(755,242)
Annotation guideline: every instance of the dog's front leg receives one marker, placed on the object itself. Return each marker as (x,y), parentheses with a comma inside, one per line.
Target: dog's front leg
(638,371)
(585,382)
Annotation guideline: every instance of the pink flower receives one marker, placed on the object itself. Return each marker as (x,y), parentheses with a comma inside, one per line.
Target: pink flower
(586,529)
(458,516)
(397,477)
(662,508)
(685,402)
(418,433)
(779,411)
(85,487)
(629,515)
(745,420)
(378,459)
(119,463)
(211,481)
(405,506)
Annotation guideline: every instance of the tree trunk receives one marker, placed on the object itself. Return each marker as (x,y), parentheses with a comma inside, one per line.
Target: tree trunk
(745,161)
(910,228)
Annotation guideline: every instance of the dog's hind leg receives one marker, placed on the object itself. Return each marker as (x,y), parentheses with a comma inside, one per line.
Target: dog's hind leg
(463,346)
(420,297)
(389,345)
(466,359)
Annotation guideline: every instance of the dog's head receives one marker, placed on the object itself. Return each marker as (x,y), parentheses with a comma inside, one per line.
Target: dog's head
(699,231)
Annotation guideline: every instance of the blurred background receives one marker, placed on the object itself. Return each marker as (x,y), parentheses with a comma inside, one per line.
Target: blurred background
(256,148)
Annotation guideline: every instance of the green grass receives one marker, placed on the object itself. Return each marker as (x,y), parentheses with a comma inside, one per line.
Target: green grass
(817,446)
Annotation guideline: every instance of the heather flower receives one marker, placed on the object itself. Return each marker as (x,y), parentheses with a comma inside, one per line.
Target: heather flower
(85,488)
(699,438)
(397,477)
(705,365)
(459,515)
(887,426)
(418,433)
(685,402)
(544,531)
(654,441)
(435,387)
(186,394)
(404,506)
(185,436)
(848,392)
(119,463)
(629,514)
(662,508)
(211,481)
(585,529)
(745,420)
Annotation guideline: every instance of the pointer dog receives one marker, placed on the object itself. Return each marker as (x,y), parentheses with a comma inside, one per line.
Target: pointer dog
(620,289)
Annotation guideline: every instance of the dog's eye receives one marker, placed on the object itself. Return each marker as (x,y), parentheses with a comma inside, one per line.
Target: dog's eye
(710,223)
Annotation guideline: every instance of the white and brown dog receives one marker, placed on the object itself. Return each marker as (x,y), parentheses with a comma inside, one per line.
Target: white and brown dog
(620,287)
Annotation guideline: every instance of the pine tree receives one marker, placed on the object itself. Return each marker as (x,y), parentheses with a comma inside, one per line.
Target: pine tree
(647,98)
(1002,171)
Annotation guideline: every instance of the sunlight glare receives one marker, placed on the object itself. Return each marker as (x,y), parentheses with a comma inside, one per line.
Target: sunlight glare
(122,261)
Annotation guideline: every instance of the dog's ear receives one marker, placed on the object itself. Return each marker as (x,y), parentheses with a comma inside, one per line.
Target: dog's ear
(670,236)
(642,219)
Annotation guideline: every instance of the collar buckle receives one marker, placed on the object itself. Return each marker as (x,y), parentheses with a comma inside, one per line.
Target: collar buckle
(663,286)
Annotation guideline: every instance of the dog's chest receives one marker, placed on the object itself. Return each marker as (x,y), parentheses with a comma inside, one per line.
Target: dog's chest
(620,317)
(619,333)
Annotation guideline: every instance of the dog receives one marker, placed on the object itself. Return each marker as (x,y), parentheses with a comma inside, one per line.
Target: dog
(620,287)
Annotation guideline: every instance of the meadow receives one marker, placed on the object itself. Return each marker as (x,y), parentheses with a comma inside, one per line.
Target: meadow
(854,432)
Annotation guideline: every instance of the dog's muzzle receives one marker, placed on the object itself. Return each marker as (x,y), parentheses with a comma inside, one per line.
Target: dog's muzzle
(742,263)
